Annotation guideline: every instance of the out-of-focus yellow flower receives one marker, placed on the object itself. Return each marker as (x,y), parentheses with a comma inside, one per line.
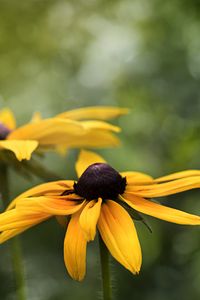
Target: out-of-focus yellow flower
(75,128)
(101,198)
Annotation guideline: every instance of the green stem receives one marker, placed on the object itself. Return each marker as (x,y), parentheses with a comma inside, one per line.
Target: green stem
(105,270)
(18,268)
(15,243)
(28,168)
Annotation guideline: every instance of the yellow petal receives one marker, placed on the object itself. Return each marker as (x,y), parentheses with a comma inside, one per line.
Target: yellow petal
(94,112)
(75,249)
(93,139)
(136,178)
(178,175)
(7,118)
(100,125)
(8,234)
(45,189)
(54,206)
(13,219)
(164,189)
(160,211)
(49,131)
(119,234)
(85,159)
(21,149)
(89,217)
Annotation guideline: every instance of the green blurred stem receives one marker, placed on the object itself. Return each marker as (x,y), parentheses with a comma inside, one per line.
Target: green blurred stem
(27,168)
(105,270)
(15,243)
(18,268)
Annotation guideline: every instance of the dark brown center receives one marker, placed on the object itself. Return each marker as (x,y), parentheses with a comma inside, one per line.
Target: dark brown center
(100,180)
(4,131)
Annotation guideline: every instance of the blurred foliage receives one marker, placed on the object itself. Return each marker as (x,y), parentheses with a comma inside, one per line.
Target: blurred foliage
(143,54)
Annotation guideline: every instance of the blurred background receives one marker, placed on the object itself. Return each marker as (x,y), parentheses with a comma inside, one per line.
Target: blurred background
(57,55)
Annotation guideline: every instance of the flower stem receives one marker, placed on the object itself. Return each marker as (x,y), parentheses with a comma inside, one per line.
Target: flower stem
(15,244)
(18,268)
(105,270)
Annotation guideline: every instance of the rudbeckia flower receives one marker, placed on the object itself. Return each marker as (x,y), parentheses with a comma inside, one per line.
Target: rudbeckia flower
(76,128)
(100,200)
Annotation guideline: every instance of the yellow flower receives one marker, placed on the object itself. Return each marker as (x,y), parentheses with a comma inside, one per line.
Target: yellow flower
(69,129)
(102,198)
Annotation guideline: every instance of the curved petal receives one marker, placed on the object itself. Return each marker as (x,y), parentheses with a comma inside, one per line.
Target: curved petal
(53,188)
(94,112)
(7,118)
(49,131)
(119,234)
(75,249)
(13,219)
(167,188)
(85,159)
(93,124)
(54,206)
(93,139)
(21,149)
(8,234)
(137,178)
(178,175)
(89,217)
(160,211)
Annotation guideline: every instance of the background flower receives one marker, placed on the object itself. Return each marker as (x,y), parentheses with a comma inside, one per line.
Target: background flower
(60,132)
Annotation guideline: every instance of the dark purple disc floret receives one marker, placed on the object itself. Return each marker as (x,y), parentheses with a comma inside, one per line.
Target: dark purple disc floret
(100,180)
(4,131)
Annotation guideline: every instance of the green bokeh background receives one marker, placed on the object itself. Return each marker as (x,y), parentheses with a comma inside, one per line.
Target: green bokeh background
(57,55)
